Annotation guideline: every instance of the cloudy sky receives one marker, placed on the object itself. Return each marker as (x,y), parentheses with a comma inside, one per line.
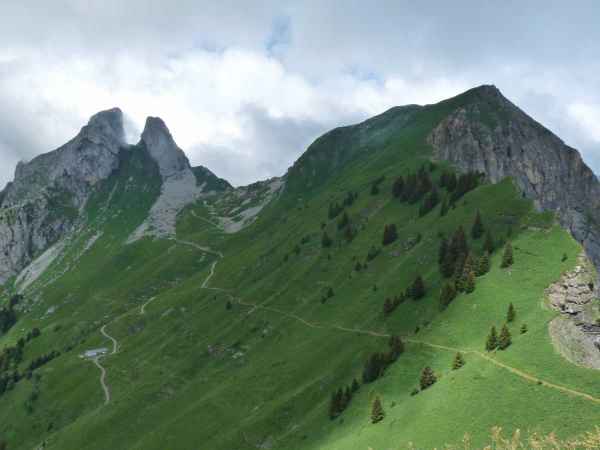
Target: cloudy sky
(245,86)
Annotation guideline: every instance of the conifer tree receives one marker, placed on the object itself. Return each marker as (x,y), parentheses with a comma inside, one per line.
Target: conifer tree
(389,234)
(335,405)
(505,339)
(443,250)
(417,289)
(326,240)
(447,267)
(377,412)
(483,265)
(507,257)
(447,294)
(477,229)
(428,378)
(398,187)
(347,397)
(355,386)
(396,348)
(470,282)
(388,307)
(343,222)
(445,207)
(489,245)
(492,340)
(524,328)
(458,362)
(511,313)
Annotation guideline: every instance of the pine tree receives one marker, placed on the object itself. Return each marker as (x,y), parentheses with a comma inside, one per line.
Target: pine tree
(470,282)
(396,348)
(458,362)
(417,290)
(477,229)
(483,265)
(326,240)
(511,313)
(458,244)
(443,250)
(389,234)
(343,222)
(335,405)
(505,340)
(398,187)
(355,386)
(447,267)
(445,207)
(524,328)
(489,245)
(428,378)
(377,412)
(388,307)
(447,294)
(492,340)
(347,397)
(507,257)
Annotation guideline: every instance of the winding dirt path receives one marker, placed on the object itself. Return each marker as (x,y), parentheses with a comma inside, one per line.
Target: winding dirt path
(97,359)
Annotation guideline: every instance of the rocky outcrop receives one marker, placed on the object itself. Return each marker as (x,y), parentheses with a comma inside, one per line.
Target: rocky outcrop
(489,134)
(42,203)
(179,186)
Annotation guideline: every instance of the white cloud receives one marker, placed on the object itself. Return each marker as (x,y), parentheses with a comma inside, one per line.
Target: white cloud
(244,89)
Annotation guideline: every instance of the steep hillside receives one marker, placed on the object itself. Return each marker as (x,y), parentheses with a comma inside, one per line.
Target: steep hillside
(238,328)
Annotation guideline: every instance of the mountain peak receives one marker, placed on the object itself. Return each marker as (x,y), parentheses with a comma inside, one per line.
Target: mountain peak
(162,147)
(106,127)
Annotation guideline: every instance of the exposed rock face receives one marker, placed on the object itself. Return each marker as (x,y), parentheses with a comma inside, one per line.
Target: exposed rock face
(575,290)
(179,187)
(42,203)
(491,135)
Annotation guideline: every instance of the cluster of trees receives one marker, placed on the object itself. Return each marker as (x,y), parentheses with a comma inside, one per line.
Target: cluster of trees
(41,360)
(457,187)
(390,304)
(377,363)
(458,263)
(414,187)
(501,342)
(341,398)
(8,315)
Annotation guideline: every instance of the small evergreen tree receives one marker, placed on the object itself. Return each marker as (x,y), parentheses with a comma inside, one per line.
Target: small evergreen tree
(489,245)
(347,397)
(428,378)
(447,294)
(389,234)
(417,290)
(477,229)
(398,187)
(507,257)
(343,221)
(335,405)
(470,282)
(443,250)
(445,207)
(483,265)
(458,362)
(396,348)
(228,305)
(377,412)
(492,340)
(505,339)
(326,240)
(524,328)
(355,386)
(511,313)
(388,307)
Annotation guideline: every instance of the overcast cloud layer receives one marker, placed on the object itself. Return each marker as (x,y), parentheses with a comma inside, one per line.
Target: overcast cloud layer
(244,88)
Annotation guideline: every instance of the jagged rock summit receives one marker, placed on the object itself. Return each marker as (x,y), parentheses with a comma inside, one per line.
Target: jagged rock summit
(163,149)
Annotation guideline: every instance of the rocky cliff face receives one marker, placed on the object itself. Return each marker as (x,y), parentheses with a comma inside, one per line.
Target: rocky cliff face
(43,201)
(491,135)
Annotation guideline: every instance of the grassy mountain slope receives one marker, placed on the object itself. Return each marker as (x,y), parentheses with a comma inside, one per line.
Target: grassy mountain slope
(191,372)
